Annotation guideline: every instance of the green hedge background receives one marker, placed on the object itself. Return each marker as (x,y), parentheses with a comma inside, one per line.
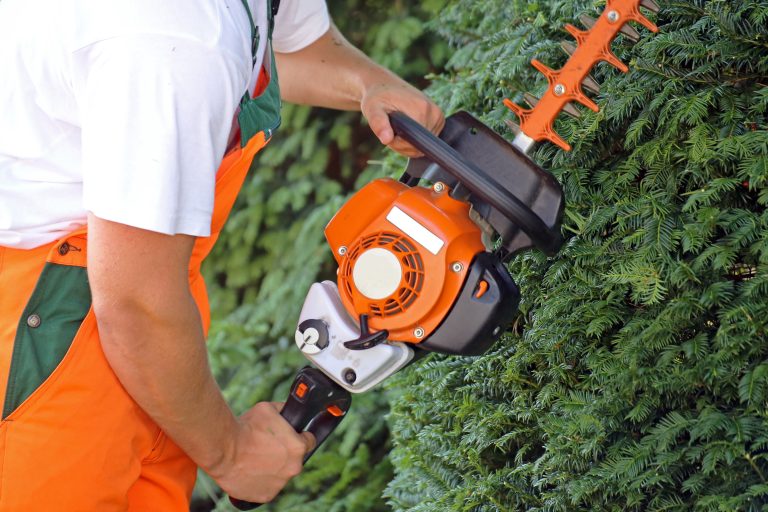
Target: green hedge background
(635,376)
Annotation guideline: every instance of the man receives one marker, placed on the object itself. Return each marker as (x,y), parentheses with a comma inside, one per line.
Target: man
(115,119)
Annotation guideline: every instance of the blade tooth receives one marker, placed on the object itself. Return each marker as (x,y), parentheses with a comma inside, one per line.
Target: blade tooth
(514,107)
(630,33)
(545,70)
(571,110)
(587,20)
(591,85)
(513,126)
(530,99)
(579,35)
(554,138)
(647,23)
(613,60)
(569,48)
(584,100)
(650,5)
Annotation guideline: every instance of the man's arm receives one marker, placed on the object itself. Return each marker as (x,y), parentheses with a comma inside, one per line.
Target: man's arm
(152,336)
(149,325)
(334,74)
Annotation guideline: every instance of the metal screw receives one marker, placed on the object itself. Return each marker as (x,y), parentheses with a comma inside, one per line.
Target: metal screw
(457,266)
(559,90)
(350,376)
(342,250)
(613,16)
(438,187)
(418,332)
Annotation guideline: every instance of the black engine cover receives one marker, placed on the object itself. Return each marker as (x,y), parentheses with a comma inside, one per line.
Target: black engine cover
(474,323)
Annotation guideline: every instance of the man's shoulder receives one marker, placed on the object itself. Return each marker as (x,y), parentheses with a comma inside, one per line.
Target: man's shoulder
(299,23)
(209,22)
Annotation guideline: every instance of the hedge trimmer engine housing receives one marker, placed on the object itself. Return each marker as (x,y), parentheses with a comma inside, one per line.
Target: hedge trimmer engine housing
(417,265)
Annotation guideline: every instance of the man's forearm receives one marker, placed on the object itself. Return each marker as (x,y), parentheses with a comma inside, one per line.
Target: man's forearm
(160,359)
(330,73)
(152,336)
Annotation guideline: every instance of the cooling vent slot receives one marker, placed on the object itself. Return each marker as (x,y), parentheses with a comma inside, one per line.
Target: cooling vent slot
(412,280)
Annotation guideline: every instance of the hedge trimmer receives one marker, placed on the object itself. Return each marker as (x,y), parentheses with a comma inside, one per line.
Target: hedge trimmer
(422,259)
(566,85)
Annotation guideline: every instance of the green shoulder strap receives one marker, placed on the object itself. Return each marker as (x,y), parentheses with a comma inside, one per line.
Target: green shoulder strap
(261,114)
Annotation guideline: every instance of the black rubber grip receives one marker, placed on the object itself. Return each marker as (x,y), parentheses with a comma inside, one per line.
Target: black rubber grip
(316,404)
(476,180)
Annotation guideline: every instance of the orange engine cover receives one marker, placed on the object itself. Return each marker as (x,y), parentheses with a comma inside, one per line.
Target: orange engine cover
(424,235)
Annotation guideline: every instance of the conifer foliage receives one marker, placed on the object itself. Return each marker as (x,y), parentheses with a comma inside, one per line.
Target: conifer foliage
(635,376)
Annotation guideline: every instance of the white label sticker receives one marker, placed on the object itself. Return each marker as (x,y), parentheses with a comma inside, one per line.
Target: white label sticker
(415,230)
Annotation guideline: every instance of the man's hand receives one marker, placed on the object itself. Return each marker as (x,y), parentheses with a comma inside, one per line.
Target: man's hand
(381,99)
(265,454)
(332,73)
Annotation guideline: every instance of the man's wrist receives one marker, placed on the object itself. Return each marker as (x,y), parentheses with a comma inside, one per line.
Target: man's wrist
(375,77)
(217,461)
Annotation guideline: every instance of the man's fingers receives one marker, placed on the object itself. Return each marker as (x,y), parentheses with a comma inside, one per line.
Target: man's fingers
(433,120)
(413,103)
(404,148)
(306,437)
(309,441)
(273,422)
(437,121)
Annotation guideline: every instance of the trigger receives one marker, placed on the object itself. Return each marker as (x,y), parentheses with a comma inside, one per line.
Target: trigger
(335,410)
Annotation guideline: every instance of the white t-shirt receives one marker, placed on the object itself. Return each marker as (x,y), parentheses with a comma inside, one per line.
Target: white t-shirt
(124,108)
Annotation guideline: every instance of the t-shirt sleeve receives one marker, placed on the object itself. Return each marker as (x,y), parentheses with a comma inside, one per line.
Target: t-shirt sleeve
(156,112)
(299,23)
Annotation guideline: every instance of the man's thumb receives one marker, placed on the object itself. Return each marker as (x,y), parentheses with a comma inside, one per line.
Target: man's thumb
(379,123)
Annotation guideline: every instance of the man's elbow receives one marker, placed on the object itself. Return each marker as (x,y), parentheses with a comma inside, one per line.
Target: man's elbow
(121,318)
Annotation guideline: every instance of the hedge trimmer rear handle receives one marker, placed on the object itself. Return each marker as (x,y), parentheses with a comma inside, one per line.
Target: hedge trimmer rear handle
(317,405)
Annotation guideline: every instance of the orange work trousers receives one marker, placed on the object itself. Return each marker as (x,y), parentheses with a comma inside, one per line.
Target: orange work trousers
(75,440)
(79,442)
